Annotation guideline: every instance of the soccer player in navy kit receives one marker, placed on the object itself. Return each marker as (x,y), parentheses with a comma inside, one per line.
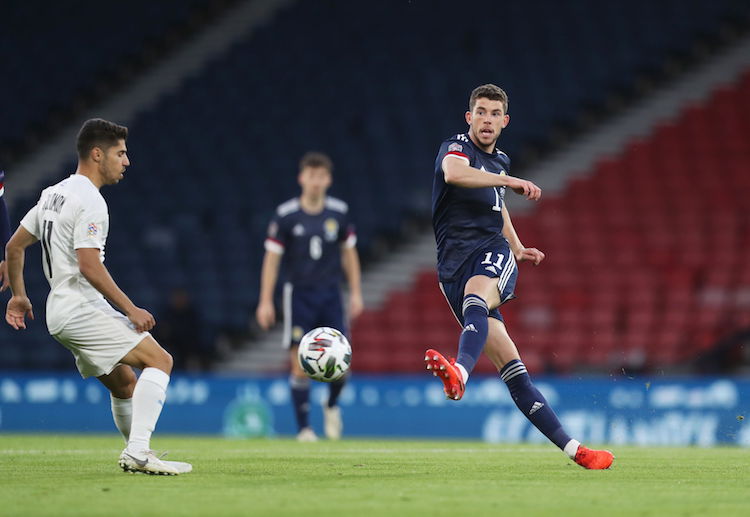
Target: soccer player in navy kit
(314,235)
(4,235)
(477,249)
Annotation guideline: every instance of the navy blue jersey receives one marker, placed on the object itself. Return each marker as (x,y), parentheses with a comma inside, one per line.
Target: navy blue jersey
(311,243)
(465,219)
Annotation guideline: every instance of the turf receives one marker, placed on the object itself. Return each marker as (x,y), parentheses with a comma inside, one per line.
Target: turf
(78,475)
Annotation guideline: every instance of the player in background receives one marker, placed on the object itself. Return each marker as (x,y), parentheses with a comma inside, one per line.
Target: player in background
(4,234)
(72,221)
(477,250)
(317,240)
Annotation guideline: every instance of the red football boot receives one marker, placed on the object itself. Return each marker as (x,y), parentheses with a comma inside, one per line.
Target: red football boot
(593,459)
(453,382)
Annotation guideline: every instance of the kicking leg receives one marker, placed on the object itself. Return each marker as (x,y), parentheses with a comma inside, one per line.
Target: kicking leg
(503,353)
(480,294)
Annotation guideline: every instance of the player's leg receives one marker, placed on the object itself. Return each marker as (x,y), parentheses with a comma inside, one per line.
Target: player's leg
(105,346)
(501,350)
(471,303)
(334,315)
(297,316)
(149,395)
(299,384)
(121,383)
(480,296)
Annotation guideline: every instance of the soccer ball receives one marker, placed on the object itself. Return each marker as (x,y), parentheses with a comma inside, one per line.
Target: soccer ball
(324,354)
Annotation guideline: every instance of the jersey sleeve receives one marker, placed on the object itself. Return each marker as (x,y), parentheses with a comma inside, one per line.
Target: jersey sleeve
(31,222)
(456,148)
(90,230)
(276,238)
(506,162)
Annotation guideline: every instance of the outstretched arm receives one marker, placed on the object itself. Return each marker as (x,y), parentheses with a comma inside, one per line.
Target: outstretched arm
(458,172)
(19,306)
(519,251)
(265,313)
(92,268)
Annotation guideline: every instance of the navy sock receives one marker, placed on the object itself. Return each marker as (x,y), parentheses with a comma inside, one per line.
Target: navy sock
(334,390)
(474,335)
(532,404)
(301,400)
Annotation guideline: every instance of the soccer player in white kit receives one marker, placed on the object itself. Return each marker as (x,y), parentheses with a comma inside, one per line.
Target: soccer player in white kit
(72,221)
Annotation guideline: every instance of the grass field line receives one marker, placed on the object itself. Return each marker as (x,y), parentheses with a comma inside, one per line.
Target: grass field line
(260,450)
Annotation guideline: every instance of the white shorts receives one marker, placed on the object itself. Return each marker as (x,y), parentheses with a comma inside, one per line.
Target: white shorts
(99,337)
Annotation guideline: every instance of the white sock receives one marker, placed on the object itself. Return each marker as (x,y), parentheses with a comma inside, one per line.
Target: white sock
(148,399)
(571,448)
(464,373)
(122,412)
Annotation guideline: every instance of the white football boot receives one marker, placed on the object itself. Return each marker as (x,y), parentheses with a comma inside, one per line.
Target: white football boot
(148,463)
(333,424)
(306,434)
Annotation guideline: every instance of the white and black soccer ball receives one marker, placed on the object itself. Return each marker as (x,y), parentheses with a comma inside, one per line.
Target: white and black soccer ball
(324,354)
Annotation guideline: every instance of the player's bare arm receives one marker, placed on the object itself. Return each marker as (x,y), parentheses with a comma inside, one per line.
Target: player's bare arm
(353,272)
(457,172)
(93,270)
(266,313)
(519,250)
(4,281)
(19,305)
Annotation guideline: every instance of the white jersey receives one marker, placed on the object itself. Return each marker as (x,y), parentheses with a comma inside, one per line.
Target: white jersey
(68,216)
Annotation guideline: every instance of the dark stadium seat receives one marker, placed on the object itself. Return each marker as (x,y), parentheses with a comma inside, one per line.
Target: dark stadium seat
(76,68)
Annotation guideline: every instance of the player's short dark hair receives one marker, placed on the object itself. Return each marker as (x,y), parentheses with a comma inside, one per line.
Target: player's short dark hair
(98,132)
(491,92)
(316,159)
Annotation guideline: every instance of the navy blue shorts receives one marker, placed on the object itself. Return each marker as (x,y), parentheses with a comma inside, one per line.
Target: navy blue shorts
(306,308)
(494,261)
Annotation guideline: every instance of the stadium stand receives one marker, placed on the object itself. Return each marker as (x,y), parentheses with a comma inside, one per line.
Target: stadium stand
(65,57)
(212,159)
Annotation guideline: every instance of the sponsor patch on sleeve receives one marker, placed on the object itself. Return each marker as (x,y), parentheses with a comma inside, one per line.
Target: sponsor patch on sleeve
(455,147)
(93,230)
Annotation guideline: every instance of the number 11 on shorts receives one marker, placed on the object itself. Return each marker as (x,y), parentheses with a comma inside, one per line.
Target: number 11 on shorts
(488,259)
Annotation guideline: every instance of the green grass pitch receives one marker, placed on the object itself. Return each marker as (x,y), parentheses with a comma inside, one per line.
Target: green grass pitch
(77,475)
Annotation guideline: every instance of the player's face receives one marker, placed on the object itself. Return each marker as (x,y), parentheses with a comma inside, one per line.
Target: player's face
(113,163)
(314,181)
(486,121)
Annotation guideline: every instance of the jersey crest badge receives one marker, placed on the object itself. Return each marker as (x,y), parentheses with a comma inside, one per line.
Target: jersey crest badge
(331,229)
(298,230)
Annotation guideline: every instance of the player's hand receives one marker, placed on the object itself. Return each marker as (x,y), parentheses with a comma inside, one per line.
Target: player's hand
(525,188)
(530,255)
(18,308)
(356,305)
(142,319)
(4,280)
(266,315)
